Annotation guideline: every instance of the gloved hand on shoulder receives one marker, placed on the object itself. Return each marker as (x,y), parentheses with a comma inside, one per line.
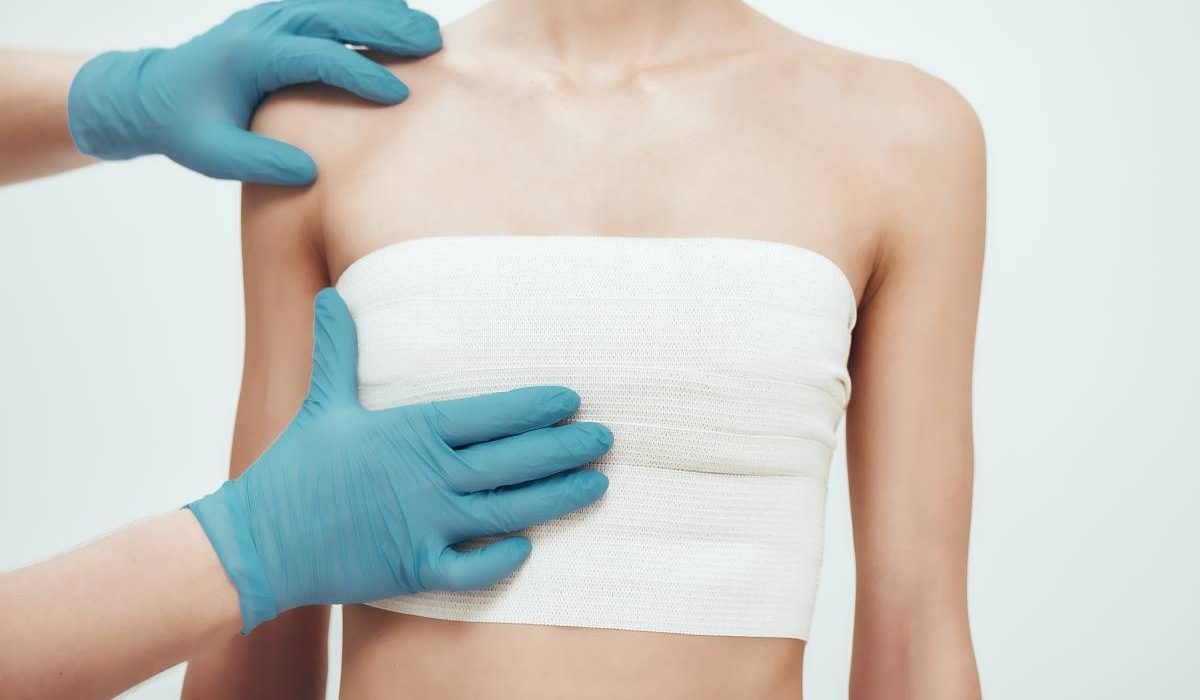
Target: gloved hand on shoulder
(193,103)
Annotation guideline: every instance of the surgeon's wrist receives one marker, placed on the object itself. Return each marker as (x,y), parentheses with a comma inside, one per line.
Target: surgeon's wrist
(214,611)
(223,516)
(106,114)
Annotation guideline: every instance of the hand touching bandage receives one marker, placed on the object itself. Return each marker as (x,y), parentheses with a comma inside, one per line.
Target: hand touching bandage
(350,505)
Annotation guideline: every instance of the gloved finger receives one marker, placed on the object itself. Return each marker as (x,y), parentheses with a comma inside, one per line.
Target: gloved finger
(511,508)
(385,25)
(528,456)
(225,151)
(303,60)
(479,568)
(466,421)
(334,378)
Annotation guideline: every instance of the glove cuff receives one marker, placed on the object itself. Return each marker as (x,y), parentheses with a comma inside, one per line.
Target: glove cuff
(104,112)
(222,515)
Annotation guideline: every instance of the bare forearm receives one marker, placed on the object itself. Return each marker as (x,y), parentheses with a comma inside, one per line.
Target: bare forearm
(102,618)
(34,137)
(927,655)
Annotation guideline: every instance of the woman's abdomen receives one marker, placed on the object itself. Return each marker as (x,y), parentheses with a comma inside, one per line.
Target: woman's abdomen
(394,655)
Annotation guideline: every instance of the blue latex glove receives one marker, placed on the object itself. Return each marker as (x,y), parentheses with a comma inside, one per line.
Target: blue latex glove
(194,103)
(350,505)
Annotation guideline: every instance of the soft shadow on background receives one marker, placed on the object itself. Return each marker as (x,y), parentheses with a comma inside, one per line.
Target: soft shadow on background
(121,346)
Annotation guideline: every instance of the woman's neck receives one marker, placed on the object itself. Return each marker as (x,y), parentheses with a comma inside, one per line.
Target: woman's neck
(612,40)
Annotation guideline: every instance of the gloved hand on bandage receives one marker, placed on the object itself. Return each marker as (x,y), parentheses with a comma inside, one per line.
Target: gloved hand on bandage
(350,505)
(194,103)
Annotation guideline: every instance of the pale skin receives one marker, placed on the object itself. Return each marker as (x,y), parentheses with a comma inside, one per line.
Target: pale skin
(885,173)
(660,117)
(34,136)
(95,621)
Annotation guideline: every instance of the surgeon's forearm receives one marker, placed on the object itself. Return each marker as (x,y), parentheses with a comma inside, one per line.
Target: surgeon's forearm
(34,138)
(102,618)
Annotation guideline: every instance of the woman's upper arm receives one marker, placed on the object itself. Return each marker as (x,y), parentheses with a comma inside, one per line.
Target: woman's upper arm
(909,436)
(283,269)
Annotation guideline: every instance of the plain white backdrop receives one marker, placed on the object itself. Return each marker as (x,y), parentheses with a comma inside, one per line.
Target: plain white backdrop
(120,343)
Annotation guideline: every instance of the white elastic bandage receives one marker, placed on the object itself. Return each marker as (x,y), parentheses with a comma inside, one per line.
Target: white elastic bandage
(718,363)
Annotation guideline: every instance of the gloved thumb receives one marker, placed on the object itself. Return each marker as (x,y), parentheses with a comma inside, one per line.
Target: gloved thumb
(479,568)
(335,353)
(225,151)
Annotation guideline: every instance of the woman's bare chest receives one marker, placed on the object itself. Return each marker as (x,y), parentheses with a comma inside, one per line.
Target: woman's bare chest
(650,166)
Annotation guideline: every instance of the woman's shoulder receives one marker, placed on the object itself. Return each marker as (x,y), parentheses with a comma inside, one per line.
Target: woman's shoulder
(889,97)
(898,134)
(333,125)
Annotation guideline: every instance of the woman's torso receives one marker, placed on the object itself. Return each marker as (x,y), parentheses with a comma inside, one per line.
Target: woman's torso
(718,363)
(777,144)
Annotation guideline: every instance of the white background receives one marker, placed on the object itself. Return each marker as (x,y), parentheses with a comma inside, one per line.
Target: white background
(120,343)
